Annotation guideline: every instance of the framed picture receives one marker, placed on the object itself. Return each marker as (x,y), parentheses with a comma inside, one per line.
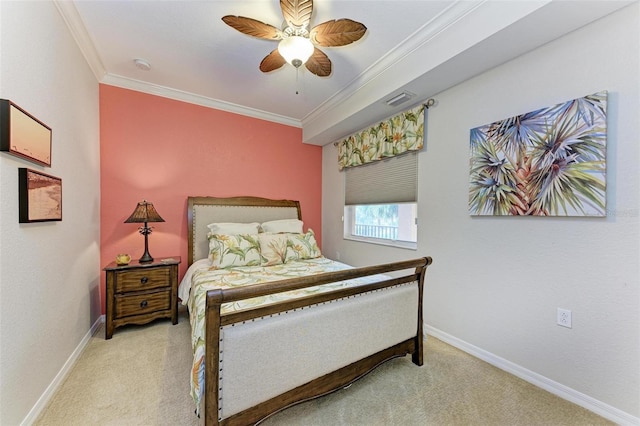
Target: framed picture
(40,196)
(547,162)
(23,135)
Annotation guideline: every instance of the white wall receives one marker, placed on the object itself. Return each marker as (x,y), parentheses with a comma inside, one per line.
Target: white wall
(495,283)
(49,272)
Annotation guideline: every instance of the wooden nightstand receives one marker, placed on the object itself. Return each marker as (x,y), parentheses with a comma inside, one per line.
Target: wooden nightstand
(138,293)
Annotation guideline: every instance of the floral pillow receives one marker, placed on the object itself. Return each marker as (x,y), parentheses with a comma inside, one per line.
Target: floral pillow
(273,248)
(302,246)
(234,250)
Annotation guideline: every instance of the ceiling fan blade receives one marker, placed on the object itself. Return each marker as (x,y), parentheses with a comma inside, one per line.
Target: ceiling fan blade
(297,13)
(338,32)
(319,63)
(272,61)
(253,27)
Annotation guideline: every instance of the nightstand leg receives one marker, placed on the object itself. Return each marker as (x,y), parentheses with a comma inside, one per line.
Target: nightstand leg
(174,312)
(108,326)
(108,333)
(174,294)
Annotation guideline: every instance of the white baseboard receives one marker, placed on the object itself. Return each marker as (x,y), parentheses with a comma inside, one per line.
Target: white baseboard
(62,374)
(607,411)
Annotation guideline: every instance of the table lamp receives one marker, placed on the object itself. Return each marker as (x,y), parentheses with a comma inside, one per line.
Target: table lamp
(143,213)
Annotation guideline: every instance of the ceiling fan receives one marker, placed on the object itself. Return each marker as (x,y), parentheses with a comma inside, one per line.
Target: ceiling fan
(298,44)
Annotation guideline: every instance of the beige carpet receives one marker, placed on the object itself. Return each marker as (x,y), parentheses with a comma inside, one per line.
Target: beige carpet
(141,377)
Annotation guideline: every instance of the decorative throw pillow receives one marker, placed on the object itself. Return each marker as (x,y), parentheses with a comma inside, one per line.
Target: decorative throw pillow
(283,225)
(302,246)
(273,248)
(234,250)
(231,228)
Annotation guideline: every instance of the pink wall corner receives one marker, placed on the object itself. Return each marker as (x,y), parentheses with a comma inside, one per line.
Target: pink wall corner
(164,150)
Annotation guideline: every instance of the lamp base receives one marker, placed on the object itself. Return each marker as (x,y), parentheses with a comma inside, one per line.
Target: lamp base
(146,258)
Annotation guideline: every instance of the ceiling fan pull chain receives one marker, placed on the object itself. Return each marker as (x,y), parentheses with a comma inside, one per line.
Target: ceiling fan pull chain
(297,85)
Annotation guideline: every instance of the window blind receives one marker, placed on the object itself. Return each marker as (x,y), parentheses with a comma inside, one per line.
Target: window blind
(390,181)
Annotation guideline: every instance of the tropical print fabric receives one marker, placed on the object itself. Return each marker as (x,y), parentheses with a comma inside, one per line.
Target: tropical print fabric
(302,246)
(394,136)
(549,162)
(234,250)
(204,279)
(266,249)
(273,248)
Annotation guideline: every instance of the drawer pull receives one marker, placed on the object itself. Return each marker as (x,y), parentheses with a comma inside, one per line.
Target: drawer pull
(143,304)
(144,280)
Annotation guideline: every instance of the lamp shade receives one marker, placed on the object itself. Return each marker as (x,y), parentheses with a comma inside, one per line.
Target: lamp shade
(144,212)
(296,49)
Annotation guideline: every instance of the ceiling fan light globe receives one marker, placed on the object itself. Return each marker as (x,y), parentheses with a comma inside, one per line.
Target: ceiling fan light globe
(296,48)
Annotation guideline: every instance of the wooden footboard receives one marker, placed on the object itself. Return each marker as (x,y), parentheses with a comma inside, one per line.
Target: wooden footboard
(328,382)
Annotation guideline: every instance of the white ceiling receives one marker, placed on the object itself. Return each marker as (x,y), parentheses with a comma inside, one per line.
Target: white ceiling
(421,46)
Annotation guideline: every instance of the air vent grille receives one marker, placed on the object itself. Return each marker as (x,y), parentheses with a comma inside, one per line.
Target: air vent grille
(399,99)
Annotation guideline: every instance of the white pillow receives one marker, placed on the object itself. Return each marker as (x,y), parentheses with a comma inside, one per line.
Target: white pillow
(283,225)
(229,228)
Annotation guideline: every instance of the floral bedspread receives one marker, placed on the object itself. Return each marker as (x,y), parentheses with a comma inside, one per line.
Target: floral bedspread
(202,279)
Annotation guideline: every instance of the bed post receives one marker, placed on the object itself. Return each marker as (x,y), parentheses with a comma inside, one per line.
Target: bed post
(417,356)
(211,358)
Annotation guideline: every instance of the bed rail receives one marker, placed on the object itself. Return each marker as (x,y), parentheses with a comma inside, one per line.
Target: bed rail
(215,320)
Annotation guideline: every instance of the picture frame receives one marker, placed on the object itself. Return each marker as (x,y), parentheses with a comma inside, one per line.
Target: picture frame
(40,196)
(547,162)
(23,135)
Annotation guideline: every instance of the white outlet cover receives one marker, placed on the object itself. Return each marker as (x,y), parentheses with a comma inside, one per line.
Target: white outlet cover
(564,318)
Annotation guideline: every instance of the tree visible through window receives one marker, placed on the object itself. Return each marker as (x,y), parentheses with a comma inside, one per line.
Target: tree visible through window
(379,221)
(386,222)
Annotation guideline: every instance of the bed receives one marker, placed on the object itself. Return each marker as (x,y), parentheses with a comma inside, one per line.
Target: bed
(289,325)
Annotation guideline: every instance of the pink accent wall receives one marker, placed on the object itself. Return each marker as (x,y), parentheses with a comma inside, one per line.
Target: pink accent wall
(164,150)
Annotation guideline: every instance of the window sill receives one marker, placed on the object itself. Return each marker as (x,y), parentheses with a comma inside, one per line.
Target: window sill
(382,242)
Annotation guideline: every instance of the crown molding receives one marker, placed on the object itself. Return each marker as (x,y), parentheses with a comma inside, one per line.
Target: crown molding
(422,36)
(179,95)
(86,44)
(385,64)
(79,32)
(419,65)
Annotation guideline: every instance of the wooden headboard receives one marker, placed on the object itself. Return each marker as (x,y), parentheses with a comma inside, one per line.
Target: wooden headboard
(202,211)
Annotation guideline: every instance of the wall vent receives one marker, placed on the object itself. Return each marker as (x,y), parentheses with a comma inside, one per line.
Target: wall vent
(399,99)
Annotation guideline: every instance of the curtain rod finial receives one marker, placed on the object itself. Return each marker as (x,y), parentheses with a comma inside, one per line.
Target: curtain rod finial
(429,103)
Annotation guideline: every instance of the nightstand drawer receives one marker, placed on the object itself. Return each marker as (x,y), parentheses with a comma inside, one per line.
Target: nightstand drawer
(140,304)
(141,279)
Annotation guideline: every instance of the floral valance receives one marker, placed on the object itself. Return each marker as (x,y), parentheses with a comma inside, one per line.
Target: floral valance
(394,136)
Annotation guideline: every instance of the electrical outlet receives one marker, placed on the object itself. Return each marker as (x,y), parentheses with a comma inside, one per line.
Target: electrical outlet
(564,318)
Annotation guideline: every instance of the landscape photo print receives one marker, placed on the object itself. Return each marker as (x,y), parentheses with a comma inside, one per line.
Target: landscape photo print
(40,196)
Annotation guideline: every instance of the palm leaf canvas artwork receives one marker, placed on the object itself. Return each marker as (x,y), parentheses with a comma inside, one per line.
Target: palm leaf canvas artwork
(549,162)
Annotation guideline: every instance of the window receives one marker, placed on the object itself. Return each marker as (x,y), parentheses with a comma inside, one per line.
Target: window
(389,224)
(380,202)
